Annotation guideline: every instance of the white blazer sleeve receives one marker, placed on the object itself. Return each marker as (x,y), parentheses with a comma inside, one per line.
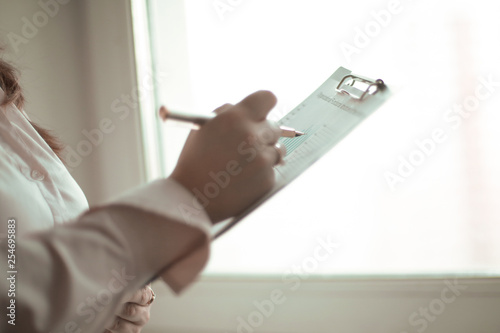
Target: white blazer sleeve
(73,277)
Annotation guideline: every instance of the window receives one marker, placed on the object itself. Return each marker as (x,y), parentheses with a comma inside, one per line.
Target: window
(413,190)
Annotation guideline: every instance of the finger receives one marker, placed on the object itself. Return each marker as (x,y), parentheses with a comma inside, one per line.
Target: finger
(265,178)
(121,325)
(270,156)
(223,108)
(258,104)
(281,153)
(142,296)
(269,133)
(137,314)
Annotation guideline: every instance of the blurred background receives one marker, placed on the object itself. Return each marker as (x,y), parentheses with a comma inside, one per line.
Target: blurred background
(406,209)
(436,214)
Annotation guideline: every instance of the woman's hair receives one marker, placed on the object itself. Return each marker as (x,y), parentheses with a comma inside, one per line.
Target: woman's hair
(9,81)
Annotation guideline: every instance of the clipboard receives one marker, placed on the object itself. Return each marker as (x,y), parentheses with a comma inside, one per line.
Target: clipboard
(329,114)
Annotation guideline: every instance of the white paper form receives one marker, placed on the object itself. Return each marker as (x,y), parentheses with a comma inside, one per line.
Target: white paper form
(326,116)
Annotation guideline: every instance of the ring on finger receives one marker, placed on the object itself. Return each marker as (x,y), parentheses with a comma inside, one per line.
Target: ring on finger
(280,149)
(153,296)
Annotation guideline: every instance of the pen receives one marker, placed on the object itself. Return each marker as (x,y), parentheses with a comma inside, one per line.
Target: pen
(199,119)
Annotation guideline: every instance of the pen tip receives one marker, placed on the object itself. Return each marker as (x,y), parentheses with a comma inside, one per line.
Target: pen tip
(298,133)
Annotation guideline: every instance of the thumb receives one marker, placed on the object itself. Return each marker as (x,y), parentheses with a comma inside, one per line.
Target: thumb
(258,104)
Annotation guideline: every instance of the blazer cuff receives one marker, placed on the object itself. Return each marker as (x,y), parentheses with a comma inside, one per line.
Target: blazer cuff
(167,198)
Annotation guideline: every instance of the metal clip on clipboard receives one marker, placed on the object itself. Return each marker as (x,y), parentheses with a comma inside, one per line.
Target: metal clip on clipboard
(350,83)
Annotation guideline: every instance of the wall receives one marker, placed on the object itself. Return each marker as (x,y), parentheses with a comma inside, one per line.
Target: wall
(76,60)
(329,305)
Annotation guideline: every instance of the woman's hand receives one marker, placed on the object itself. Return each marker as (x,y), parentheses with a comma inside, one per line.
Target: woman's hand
(134,314)
(228,163)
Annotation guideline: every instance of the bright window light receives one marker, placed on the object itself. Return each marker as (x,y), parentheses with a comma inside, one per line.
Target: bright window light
(413,190)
